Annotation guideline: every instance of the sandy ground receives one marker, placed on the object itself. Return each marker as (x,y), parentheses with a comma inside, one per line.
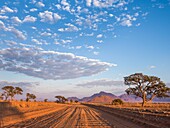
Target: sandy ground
(91,116)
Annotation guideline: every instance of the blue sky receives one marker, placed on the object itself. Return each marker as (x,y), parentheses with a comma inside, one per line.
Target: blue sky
(80,47)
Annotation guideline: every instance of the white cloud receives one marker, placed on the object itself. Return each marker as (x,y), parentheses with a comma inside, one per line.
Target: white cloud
(3,17)
(70,28)
(45,34)
(64,2)
(2,26)
(151,67)
(90,47)
(40,4)
(99,36)
(100,41)
(78,47)
(29,19)
(33,9)
(58,6)
(34,28)
(48,16)
(57,17)
(100,82)
(66,5)
(6,9)
(16,20)
(36,41)
(61,30)
(17,33)
(126,22)
(88,2)
(96,53)
(49,64)
(111,15)
(106,3)
(66,41)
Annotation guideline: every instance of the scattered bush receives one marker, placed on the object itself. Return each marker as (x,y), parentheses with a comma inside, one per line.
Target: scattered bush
(76,101)
(117,102)
(45,100)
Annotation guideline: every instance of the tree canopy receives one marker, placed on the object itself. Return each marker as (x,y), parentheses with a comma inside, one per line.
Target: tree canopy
(30,96)
(146,87)
(10,91)
(61,99)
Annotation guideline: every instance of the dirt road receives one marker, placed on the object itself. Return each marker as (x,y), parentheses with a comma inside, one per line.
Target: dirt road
(79,116)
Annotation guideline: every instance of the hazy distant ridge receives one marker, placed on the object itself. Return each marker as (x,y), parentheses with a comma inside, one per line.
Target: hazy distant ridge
(104,97)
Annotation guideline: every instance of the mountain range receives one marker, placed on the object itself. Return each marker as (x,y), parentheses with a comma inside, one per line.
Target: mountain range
(104,97)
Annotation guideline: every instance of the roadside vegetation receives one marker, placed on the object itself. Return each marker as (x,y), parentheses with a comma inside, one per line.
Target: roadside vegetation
(146,87)
(117,102)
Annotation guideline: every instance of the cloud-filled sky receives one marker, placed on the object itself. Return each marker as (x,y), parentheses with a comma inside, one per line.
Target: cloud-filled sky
(80,47)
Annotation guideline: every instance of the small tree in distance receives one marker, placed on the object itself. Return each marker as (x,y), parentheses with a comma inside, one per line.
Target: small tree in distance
(146,87)
(76,101)
(71,101)
(45,100)
(30,96)
(61,99)
(117,102)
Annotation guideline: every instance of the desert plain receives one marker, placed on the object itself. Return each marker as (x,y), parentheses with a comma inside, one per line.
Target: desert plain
(21,114)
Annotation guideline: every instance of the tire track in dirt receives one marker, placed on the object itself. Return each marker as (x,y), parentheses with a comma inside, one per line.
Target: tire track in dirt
(89,116)
(129,117)
(78,116)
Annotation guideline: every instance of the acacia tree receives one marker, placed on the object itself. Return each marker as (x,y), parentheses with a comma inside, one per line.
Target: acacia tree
(146,87)
(10,91)
(30,96)
(61,99)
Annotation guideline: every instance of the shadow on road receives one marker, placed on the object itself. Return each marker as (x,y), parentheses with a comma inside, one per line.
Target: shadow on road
(7,110)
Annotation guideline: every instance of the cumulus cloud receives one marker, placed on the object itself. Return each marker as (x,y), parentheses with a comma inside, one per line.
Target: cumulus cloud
(65,5)
(40,4)
(48,16)
(78,47)
(36,41)
(106,3)
(2,26)
(126,22)
(90,47)
(13,30)
(99,36)
(49,64)
(17,33)
(3,17)
(128,19)
(29,19)
(16,20)
(6,9)
(100,82)
(33,9)
(96,53)
(45,34)
(88,2)
(70,28)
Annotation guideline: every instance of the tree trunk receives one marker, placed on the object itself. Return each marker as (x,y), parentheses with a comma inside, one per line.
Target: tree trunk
(144,100)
